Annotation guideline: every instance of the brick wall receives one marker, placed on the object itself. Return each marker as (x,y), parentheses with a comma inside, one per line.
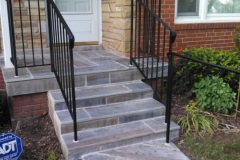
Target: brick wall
(2,83)
(31,105)
(26,27)
(215,35)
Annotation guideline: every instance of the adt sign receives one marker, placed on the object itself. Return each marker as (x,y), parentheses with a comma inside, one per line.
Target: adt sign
(10,147)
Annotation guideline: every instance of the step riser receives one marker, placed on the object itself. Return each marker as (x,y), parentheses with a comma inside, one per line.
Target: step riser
(105,100)
(76,154)
(68,128)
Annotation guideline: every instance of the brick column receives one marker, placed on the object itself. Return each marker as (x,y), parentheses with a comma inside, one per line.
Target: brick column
(116,21)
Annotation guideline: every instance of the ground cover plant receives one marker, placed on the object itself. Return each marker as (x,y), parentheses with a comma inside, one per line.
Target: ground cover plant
(211,102)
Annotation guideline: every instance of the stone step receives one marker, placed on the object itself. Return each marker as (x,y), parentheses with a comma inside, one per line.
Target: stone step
(149,150)
(110,137)
(102,94)
(111,114)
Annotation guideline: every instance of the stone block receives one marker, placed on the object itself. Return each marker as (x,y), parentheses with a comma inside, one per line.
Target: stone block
(122,23)
(96,79)
(107,27)
(106,8)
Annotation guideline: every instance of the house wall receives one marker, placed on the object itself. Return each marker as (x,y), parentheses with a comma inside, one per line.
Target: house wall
(116,26)
(26,25)
(215,35)
(31,105)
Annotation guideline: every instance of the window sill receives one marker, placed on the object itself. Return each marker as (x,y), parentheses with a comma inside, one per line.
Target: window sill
(212,19)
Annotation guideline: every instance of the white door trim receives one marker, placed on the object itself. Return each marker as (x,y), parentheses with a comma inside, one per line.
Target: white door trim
(100,21)
(5,34)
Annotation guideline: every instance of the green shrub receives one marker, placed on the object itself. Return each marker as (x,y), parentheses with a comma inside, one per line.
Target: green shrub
(188,72)
(236,39)
(215,95)
(197,121)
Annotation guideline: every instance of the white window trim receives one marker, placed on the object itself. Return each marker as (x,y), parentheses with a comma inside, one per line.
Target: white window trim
(203,17)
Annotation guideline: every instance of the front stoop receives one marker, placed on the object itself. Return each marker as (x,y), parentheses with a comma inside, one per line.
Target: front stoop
(114,108)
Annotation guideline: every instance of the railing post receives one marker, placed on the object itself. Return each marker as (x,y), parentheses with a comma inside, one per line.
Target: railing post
(73,92)
(169,95)
(173,36)
(131,38)
(50,33)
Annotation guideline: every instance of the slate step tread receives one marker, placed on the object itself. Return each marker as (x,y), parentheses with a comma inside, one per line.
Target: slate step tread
(112,110)
(103,90)
(116,133)
(149,150)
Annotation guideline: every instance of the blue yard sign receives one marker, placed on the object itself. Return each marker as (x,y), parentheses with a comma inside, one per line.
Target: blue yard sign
(10,147)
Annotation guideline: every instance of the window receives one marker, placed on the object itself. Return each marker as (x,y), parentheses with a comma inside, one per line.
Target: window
(195,11)
(188,7)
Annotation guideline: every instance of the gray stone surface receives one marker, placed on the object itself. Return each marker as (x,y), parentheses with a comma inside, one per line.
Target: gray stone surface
(142,151)
(158,125)
(41,72)
(111,137)
(120,112)
(9,74)
(96,79)
(125,76)
(104,135)
(87,70)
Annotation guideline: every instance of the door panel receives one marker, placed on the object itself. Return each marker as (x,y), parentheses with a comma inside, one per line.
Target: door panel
(82,18)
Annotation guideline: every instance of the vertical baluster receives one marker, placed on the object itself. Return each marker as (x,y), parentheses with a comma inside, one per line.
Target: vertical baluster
(163,57)
(40,28)
(139,32)
(21,24)
(62,56)
(69,75)
(65,64)
(49,13)
(31,29)
(158,50)
(131,36)
(58,48)
(153,49)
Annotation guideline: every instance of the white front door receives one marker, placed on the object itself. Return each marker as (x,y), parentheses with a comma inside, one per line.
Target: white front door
(82,16)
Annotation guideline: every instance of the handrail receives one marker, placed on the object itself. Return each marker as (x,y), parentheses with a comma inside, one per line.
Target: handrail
(171,56)
(153,40)
(61,48)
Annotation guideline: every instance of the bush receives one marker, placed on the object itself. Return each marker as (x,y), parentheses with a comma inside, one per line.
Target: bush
(236,39)
(197,121)
(215,95)
(188,72)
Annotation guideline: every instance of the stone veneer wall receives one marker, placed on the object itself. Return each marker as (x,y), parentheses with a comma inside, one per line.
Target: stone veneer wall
(26,23)
(116,20)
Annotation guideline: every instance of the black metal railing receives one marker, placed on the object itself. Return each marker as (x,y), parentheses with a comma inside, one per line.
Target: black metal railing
(151,40)
(28,40)
(218,70)
(61,48)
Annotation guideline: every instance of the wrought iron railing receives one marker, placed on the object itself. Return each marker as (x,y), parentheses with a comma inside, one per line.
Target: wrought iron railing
(26,33)
(61,48)
(218,71)
(149,47)
(151,40)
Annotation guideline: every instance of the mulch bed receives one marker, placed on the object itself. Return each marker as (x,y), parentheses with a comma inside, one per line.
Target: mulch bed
(38,137)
